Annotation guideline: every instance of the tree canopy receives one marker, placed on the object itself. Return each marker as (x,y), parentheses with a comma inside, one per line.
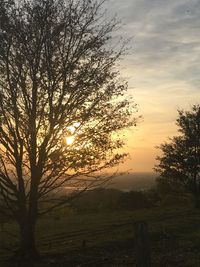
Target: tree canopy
(58,80)
(179,164)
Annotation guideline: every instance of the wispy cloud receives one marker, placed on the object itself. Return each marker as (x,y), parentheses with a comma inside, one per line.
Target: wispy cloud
(163,64)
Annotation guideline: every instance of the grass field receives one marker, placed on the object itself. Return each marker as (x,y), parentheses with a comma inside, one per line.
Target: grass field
(107,239)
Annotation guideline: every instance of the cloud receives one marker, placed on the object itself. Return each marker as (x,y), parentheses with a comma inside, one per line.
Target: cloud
(162,66)
(165,33)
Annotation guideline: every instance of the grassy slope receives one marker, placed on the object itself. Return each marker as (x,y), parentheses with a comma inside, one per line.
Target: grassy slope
(107,239)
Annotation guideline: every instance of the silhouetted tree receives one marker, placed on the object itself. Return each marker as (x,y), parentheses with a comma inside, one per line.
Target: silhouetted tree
(58,79)
(179,164)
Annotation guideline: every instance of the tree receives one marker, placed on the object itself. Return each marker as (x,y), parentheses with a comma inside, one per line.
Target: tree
(58,80)
(179,164)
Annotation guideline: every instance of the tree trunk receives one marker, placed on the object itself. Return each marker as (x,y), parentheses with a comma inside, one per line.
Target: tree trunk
(27,239)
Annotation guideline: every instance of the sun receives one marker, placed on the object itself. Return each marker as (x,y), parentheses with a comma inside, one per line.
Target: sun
(69,140)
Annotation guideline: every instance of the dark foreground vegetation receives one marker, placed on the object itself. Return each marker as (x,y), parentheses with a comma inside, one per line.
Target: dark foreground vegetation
(98,230)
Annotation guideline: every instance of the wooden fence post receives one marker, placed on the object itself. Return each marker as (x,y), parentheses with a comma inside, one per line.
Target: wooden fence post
(142,245)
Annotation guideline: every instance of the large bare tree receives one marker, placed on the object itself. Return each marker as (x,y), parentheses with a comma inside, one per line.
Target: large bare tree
(61,104)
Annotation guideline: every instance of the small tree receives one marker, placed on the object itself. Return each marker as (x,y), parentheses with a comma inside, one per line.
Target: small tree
(179,164)
(58,81)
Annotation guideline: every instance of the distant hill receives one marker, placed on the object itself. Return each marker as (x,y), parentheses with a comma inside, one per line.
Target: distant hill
(125,182)
(133,181)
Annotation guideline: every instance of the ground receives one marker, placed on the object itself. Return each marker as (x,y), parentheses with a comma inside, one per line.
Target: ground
(107,238)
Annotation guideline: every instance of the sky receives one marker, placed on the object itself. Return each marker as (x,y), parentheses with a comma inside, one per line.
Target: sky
(162,69)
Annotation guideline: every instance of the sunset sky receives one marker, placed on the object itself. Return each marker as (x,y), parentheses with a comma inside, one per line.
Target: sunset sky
(162,68)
